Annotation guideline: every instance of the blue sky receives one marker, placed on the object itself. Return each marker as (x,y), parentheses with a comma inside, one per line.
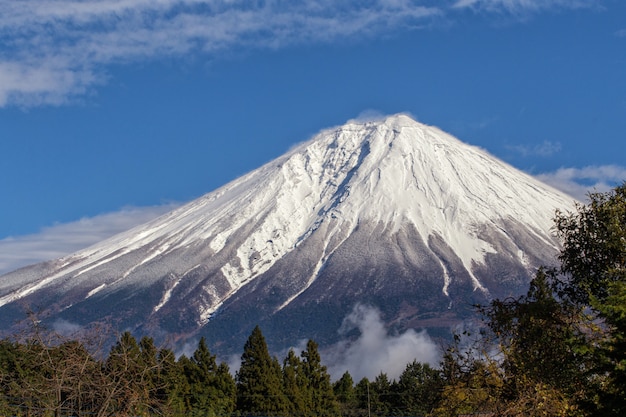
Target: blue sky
(113,111)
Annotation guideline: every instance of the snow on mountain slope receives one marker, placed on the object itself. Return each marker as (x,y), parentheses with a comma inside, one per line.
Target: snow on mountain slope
(396,176)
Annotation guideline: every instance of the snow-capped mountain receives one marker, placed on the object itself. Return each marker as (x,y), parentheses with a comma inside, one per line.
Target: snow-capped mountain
(393,213)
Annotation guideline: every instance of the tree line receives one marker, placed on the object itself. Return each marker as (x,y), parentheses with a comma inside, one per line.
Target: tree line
(558,350)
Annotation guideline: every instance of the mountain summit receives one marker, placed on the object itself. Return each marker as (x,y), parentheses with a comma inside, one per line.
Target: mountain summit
(392,213)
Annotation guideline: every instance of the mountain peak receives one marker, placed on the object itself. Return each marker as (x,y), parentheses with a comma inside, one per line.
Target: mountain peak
(378,210)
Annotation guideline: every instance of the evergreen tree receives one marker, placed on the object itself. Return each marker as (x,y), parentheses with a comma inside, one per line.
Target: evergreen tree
(225,390)
(172,386)
(363,397)
(321,398)
(294,385)
(418,390)
(381,395)
(259,380)
(345,394)
(211,388)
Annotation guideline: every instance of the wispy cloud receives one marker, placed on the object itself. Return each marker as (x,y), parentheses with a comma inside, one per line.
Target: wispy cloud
(545,149)
(54,50)
(579,182)
(519,7)
(62,239)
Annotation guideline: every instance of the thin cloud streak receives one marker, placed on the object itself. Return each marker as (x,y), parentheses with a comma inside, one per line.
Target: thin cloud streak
(521,7)
(545,149)
(62,239)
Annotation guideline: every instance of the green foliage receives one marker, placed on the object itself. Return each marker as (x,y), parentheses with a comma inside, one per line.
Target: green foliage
(538,335)
(558,350)
(419,389)
(594,246)
(472,381)
(345,394)
(320,398)
(210,389)
(594,261)
(294,385)
(561,348)
(259,380)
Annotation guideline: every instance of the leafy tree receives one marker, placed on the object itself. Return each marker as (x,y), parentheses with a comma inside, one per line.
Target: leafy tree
(594,263)
(594,246)
(472,380)
(259,380)
(538,336)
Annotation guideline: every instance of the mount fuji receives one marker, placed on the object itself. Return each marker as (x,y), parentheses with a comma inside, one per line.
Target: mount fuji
(391,213)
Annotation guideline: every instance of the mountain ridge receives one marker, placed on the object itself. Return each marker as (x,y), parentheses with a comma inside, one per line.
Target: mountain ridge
(415,199)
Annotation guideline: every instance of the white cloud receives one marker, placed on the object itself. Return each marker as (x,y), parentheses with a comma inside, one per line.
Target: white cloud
(579,182)
(522,6)
(54,50)
(376,350)
(62,239)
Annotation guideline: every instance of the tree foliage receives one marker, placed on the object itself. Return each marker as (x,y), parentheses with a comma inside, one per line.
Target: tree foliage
(259,379)
(594,263)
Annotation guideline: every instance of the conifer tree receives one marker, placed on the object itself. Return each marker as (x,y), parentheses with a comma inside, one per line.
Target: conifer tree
(381,395)
(418,389)
(321,398)
(294,385)
(345,394)
(259,379)
(172,386)
(126,390)
(211,388)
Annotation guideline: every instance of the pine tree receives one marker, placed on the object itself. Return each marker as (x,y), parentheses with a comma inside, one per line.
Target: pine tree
(294,385)
(211,388)
(381,395)
(259,380)
(321,398)
(345,394)
(172,386)
(418,389)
